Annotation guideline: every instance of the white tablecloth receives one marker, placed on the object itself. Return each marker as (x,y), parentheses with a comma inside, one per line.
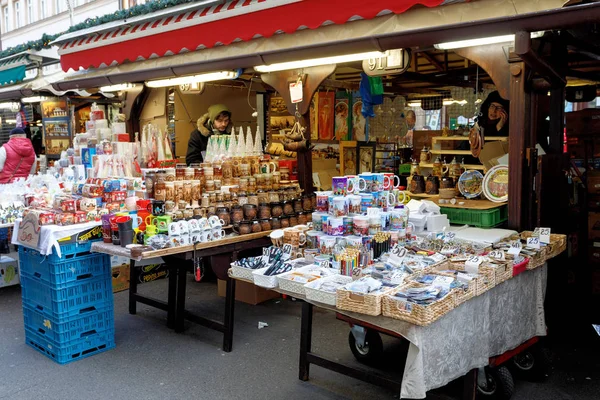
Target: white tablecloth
(465,338)
(50,234)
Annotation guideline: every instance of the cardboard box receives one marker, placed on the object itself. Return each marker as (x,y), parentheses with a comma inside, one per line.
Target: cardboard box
(326,169)
(247,292)
(153,272)
(593,225)
(9,271)
(593,183)
(491,152)
(120,278)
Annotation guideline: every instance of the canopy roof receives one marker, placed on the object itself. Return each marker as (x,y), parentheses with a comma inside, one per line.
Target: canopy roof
(217,25)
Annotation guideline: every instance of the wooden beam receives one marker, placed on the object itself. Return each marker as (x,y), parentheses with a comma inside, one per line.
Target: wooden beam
(336,84)
(535,62)
(518,207)
(492,59)
(433,61)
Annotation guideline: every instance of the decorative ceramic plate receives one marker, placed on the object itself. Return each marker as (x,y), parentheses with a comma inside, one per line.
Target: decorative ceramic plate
(470,184)
(495,184)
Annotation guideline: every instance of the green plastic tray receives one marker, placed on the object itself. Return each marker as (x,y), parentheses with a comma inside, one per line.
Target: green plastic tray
(477,218)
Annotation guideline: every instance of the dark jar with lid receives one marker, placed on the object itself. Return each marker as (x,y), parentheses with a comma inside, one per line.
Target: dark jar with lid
(298,206)
(275,223)
(293,220)
(223,213)
(306,203)
(264,211)
(302,219)
(285,222)
(265,224)
(250,211)
(237,213)
(243,227)
(288,208)
(276,210)
(256,227)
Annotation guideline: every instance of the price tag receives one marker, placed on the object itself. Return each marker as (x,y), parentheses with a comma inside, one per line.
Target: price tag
(515,248)
(464,278)
(545,235)
(449,236)
(472,264)
(450,250)
(497,255)
(296,92)
(324,263)
(29,231)
(443,282)
(287,251)
(373,212)
(398,254)
(533,242)
(536,232)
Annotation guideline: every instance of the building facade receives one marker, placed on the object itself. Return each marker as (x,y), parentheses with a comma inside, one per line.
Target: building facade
(26,20)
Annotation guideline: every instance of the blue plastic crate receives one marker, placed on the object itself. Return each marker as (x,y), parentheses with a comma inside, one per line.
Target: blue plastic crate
(72,268)
(66,330)
(71,249)
(73,351)
(72,300)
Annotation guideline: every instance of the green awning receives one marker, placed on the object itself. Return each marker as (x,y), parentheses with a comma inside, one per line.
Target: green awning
(12,70)
(12,75)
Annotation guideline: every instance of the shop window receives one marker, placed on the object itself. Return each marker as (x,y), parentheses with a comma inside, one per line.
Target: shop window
(30,15)
(18,21)
(58,6)
(6,27)
(42,9)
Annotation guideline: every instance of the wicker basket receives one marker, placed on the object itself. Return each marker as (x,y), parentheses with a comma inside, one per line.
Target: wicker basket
(416,313)
(267,282)
(285,283)
(503,271)
(483,282)
(538,260)
(369,304)
(241,273)
(461,295)
(558,243)
(320,296)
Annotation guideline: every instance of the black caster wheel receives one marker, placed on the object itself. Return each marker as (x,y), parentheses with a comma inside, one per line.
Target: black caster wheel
(533,364)
(372,349)
(499,384)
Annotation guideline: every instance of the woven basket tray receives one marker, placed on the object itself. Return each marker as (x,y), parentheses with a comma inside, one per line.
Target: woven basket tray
(461,295)
(503,272)
(415,313)
(242,273)
(538,260)
(320,296)
(483,282)
(285,283)
(369,304)
(558,243)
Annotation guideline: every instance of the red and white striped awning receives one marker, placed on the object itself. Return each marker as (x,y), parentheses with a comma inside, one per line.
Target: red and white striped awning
(217,25)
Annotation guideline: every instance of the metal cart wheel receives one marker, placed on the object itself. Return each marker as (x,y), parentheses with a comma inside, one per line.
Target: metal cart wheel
(366,344)
(498,384)
(532,363)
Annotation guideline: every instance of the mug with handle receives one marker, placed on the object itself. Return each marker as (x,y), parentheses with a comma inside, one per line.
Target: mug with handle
(393,181)
(356,184)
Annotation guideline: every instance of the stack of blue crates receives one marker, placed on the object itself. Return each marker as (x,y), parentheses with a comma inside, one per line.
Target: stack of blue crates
(67,302)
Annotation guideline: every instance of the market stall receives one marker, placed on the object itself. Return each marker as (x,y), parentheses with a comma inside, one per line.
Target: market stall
(260,177)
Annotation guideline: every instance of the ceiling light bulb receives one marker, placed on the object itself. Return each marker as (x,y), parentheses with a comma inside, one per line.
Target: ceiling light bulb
(318,61)
(182,80)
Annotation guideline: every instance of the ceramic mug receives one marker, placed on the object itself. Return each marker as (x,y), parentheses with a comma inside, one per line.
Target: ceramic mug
(392,181)
(354,204)
(312,239)
(371,182)
(386,199)
(217,233)
(205,236)
(326,244)
(340,206)
(185,240)
(174,229)
(339,185)
(194,225)
(203,223)
(323,201)
(366,201)
(277,237)
(215,222)
(195,237)
(162,222)
(401,196)
(294,237)
(356,184)
(184,226)
(158,207)
(354,241)
(335,226)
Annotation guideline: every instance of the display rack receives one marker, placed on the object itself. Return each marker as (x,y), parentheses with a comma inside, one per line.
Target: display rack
(387,157)
(436,149)
(56,121)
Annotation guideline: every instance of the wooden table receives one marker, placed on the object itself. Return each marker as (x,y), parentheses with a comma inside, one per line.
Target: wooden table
(227,248)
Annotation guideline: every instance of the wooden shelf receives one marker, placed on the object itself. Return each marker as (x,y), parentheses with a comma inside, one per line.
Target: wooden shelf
(456,152)
(465,138)
(467,166)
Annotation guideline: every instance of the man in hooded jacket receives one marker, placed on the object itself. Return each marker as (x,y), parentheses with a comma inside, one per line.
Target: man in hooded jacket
(216,121)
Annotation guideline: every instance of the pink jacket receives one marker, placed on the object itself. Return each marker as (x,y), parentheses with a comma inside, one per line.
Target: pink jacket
(18,149)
